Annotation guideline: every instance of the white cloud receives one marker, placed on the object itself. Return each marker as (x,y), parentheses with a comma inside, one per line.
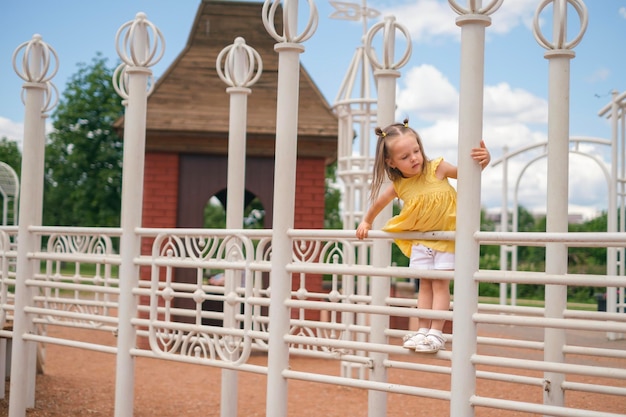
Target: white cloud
(514,118)
(506,105)
(528,183)
(430,19)
(425,19)
(601,74)
(589,184)
(428,98)
(511,14)
(15,130)
(11,130)
(427,93)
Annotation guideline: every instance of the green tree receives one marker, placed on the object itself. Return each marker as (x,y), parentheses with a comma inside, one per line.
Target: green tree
(588,260)
(10,154)
(332,197)
(83,168)
(215,214)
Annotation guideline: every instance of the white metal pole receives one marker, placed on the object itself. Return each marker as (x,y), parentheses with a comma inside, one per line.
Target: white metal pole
(556,219)
(381,256)
(504,223)
(137,55)
(355,117)
(289,51)
(283,220)
(34,71)
(234,220)
(473,22)
(559,55)
(386,74)
(611,254)
(239,64)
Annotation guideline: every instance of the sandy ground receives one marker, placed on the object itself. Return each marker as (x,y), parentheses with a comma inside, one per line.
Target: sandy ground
(82,383)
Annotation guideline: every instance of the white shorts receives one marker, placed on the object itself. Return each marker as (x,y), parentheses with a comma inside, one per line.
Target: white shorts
(427,258)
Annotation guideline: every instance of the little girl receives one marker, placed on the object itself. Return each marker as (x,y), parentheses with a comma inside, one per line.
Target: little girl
(429,204)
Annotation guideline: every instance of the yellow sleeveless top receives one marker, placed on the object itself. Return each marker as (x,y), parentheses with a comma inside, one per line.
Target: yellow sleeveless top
(429,205)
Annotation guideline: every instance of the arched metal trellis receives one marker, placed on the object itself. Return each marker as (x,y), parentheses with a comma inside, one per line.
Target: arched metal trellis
(9,190)
(609,173)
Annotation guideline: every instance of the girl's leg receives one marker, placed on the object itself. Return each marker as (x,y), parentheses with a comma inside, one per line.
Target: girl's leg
(425,301)
(440,300)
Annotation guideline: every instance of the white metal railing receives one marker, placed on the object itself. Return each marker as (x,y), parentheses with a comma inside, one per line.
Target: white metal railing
(172,322)
(155,300)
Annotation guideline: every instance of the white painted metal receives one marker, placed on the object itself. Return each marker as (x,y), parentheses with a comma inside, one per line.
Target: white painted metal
(334,254)
(386,72)
(355,107)
(473,22)
(9,189)
(324,344)
(617,192)
(242,68)
(7,280)
(289,50)
(559,55)
(137,43)
(36,60)
(506,250)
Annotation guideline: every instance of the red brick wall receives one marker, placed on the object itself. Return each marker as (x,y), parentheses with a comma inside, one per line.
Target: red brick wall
(160,190)
(310,179)
(160,203)
(161,178)
(309,214)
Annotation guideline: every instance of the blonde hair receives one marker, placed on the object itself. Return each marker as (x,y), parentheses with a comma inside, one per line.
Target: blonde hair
(381,169)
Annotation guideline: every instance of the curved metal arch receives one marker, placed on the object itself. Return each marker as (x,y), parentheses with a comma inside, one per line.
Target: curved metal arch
(599,162)
(575,139)
(9,189)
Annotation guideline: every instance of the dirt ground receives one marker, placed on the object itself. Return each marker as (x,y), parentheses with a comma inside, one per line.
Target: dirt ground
(82,383)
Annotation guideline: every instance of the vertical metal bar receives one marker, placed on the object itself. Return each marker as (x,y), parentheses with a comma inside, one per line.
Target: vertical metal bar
(238,69)
(463,381)
(234,220)
(559,56)
(611,253)
(284,191)
(386,74)
(504,223)
(24,354)
(381,256)
(138,56)
(283,220)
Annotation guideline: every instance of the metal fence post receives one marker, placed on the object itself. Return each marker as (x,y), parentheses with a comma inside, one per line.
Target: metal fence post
(559,55)
(242,68)
(35,64)
(289,50)
(473,21)
(386,73)
(138,51)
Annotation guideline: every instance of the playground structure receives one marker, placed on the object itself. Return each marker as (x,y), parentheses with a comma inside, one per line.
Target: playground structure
(358,330)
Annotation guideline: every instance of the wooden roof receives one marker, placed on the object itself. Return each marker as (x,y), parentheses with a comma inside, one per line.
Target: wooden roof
(188,111)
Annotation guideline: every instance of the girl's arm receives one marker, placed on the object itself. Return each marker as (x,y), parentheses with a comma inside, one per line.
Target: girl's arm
(381,202)
(480,155)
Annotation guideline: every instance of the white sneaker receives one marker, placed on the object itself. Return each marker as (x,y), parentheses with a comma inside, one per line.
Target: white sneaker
(411,340)
(431,344)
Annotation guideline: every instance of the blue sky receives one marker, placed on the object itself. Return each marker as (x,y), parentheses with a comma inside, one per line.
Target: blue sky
(516,73)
